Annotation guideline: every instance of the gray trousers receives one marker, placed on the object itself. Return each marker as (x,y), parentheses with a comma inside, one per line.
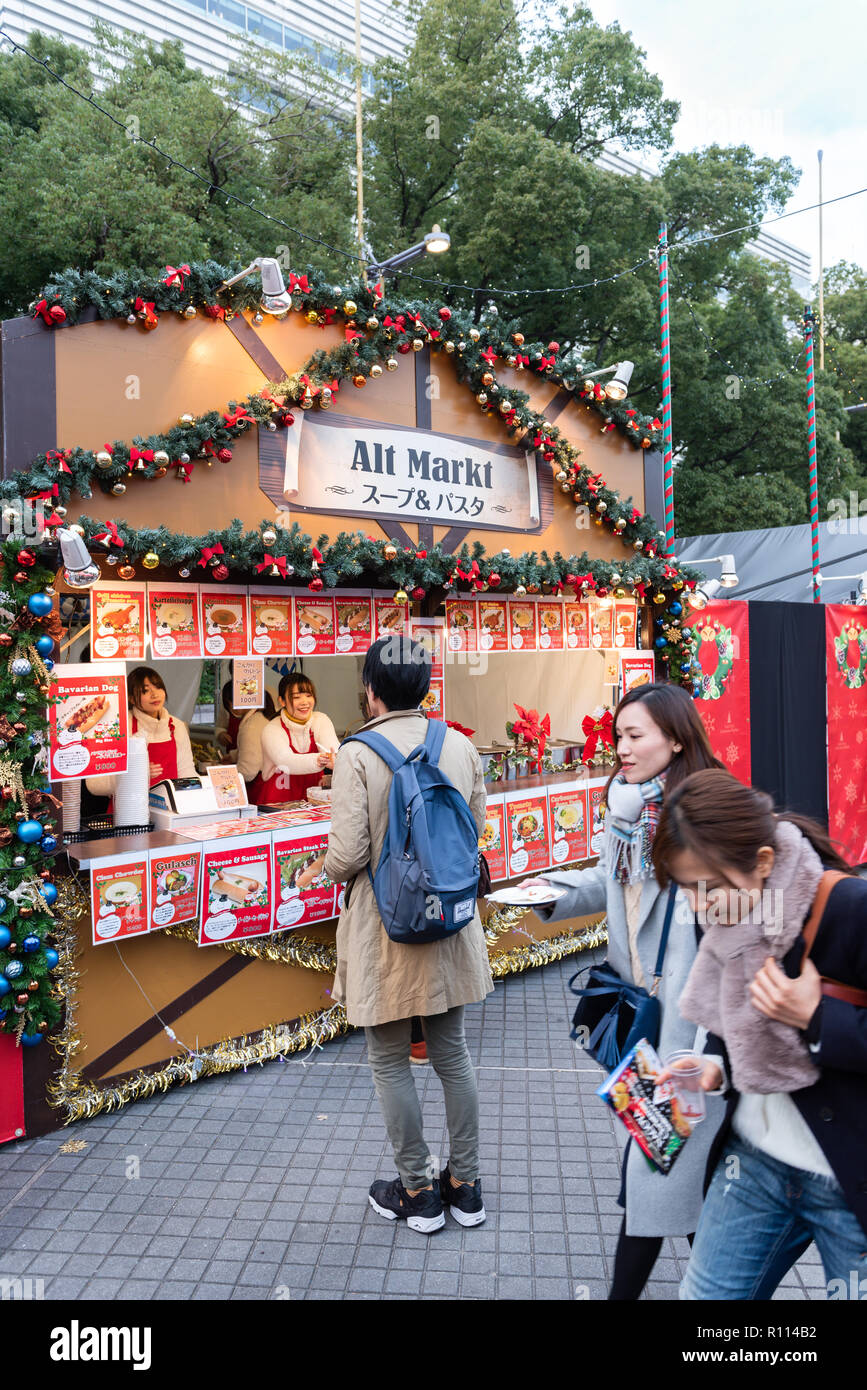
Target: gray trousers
(388,1051)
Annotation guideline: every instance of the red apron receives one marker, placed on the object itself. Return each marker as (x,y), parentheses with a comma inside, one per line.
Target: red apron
(232,730)
(278,787)
(165,755)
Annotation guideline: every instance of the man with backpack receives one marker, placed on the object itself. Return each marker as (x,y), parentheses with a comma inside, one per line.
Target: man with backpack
(408,804)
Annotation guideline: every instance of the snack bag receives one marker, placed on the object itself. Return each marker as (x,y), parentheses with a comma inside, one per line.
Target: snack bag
(651,1113)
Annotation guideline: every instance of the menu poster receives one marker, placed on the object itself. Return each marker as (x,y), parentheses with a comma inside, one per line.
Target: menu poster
(577,626)
(225,620)
(390,617)
(175,625)
(271,623)
(429,633)
(88,720)
(354,618)
(493,625)
(635,671)
(492,841)
(118,622)
(522,626)
(120,898)
(174,885)
(303,892)
(314,626)
(611,672)
(596,797)
(248,682)
(462,634)
(568,824)
(550,626)
(527,835)
(433,704)
(230,792)
(625,624)
(601,625)
(236,890)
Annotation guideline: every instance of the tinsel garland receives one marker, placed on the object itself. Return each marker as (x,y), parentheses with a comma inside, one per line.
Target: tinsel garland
(287,948)
(373,332)
(547,950)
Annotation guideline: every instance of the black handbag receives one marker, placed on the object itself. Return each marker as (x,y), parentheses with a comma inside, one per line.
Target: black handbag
(612,1016)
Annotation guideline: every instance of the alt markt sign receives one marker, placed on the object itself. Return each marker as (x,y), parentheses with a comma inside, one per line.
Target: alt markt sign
(343,466)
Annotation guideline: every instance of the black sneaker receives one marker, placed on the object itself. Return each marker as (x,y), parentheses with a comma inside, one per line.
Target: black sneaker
(464,1202)
(424,1212)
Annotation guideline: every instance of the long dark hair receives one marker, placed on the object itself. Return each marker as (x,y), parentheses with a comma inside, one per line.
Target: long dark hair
(674,712)
(726,823)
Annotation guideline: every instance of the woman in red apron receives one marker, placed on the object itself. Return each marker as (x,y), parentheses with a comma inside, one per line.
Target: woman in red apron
(298,746)
(168,739)
(249,726)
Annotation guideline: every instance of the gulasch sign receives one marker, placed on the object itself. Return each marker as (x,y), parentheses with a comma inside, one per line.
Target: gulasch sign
(344,466)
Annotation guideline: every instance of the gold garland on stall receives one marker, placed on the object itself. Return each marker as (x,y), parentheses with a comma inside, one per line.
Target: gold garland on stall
(82,1099)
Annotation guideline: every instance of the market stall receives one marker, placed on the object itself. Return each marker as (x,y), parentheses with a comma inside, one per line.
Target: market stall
(249,496)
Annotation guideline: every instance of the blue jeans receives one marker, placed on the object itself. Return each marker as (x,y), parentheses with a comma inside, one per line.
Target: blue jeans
(755,1225)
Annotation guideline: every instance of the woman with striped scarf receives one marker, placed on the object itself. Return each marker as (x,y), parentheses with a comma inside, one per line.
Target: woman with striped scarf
(659,740)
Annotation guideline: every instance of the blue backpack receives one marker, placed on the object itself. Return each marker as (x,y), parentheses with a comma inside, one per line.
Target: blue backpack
(428,874)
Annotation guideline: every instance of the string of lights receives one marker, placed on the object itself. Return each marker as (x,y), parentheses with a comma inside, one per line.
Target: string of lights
(461,287)
(841,371)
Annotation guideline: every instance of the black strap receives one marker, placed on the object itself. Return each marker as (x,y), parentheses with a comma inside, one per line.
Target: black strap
(666,927)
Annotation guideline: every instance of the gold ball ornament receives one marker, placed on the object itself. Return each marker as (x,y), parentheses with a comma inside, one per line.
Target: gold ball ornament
(372,323)
(482,398)
(620,593)
(417,344)
(119,489)
(151,560)
(615,577)
(475,335)
(401,596)
(521,591)
(391,364)
(390,552)
(269,536)
(461,347)
(561,476)
(376,371)
(190,311)
(517,339)
(505,406)
(311,316)
(186,419)
(449,346)
(602,508)
(659,598)
(587,384)
(126,572)
(359,381)
(638,545)
(487,378)
(161,458)
(565,487)
(620,524)
(104,459)
(350,307)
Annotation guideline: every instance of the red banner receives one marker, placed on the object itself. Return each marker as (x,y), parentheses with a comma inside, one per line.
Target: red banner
(846,675)
(11,1089)
(721,646)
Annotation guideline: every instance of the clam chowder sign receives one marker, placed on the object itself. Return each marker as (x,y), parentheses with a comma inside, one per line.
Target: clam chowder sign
(338,465)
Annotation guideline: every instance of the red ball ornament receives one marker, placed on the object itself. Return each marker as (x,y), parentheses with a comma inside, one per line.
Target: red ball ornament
(24,557)
(58,313)
(220,572)
(553,347)
(418,593)
(494,580)
(315,583)
(286,418)
(22,999)
(20,576)
(404,347)
(445,314)
(224,455)
(5,639)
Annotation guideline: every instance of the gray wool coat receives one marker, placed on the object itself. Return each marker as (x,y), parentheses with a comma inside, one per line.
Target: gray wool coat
(656,1204)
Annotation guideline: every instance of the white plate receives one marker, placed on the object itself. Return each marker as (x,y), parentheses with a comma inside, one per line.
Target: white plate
(530,896)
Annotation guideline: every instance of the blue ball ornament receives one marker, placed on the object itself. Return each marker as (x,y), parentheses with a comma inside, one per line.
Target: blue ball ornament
(30,1039)
(13,970)
(45,644)
(52,959)
(4,986)
(40,604)
(686,668)
(31,943)
(3,906)
(675,608)
(48,843)
(660,643)
(48,664)
(686,633)
(5,938)
(49,893)
(30,831)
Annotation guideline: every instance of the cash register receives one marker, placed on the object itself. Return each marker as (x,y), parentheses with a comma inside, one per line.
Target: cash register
(177,799)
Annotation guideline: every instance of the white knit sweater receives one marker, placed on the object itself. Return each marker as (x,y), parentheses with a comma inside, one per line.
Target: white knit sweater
(279,756)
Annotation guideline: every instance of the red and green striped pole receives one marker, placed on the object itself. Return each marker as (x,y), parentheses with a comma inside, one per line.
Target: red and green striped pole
(811,445)
(667,464)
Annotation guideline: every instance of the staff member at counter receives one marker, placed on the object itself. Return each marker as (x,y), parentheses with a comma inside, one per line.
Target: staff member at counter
(298,746)
(168,739)
(250,725)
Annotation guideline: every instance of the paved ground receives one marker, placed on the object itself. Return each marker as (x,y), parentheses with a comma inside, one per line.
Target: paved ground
(255,1186)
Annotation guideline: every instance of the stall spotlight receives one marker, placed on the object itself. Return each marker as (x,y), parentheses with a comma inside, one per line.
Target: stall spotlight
(728,574)
(276,299)
(434,243)
(79,570)
(617,388)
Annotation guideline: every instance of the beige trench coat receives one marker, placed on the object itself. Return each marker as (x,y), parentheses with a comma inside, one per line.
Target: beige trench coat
(379,980)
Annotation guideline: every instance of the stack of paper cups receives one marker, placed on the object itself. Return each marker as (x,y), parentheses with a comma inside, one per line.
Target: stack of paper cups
(71,806)
(132,787)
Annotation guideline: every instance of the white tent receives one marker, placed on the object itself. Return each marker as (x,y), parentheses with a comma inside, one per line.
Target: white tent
(776,563)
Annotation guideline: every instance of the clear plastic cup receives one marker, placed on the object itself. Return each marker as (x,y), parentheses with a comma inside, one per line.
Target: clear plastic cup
(687,1069)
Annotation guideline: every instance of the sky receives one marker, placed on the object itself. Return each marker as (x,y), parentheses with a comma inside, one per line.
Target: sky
(784,78)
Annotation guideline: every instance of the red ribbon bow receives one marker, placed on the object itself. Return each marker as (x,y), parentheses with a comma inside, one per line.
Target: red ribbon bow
(136,454)
(399,323)
(173,274)
(546,362)
(298,283)
(594,730)
(490,356)
(593,482)
(236,415)
(655,424)
(208,552)
(184,469)
(146,305)
(56,455)
(110,535)
(269,560)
